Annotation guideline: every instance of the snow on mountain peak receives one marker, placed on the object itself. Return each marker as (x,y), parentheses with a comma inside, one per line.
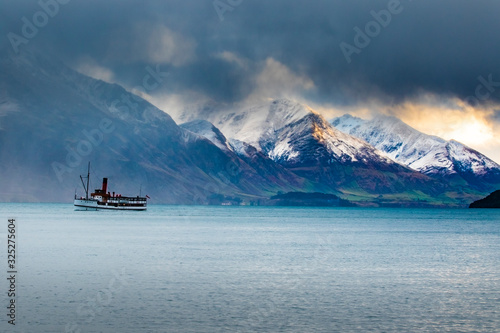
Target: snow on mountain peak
(346,122)
(259,121)
(469,159)
(288,131)
(209,131)
(425,153)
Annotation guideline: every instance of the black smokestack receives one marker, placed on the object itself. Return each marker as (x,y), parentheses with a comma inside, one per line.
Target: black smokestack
(105,185)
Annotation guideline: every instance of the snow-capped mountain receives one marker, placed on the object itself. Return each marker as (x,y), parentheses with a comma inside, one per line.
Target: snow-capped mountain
(303,141)
(208,131)
(284,130)
(428,154)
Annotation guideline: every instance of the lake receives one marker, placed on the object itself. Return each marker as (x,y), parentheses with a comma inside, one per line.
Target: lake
(252,269)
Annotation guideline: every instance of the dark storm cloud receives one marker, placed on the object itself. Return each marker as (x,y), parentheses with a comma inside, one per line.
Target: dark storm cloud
(441,47)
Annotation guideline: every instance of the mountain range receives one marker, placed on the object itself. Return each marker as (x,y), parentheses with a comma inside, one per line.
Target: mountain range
(53,120)
(427,154)
(302,141)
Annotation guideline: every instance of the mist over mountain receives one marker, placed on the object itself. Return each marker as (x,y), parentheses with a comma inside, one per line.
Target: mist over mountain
(54,120)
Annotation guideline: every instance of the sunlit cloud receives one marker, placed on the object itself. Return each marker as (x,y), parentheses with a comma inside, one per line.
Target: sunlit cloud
(452,118)
(276,80)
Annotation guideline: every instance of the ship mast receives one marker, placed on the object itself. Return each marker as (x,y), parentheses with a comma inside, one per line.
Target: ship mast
(88,179)
(86,188)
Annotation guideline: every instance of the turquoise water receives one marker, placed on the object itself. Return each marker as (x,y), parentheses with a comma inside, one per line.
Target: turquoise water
(253,269)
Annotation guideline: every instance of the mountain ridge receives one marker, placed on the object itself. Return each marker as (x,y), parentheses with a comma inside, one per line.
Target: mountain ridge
(427,154)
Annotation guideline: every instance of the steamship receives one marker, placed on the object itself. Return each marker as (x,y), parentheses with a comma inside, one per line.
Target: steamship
(101,199)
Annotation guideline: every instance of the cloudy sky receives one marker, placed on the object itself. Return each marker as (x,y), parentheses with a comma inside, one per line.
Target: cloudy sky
(434,64)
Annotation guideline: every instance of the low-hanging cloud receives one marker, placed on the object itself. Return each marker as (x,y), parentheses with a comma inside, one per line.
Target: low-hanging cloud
(277,81)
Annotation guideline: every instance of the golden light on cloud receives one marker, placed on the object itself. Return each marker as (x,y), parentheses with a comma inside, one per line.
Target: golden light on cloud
(466,126)
(455,120)
(472,131)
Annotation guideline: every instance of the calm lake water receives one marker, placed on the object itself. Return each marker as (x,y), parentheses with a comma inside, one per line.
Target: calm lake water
(253,269)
